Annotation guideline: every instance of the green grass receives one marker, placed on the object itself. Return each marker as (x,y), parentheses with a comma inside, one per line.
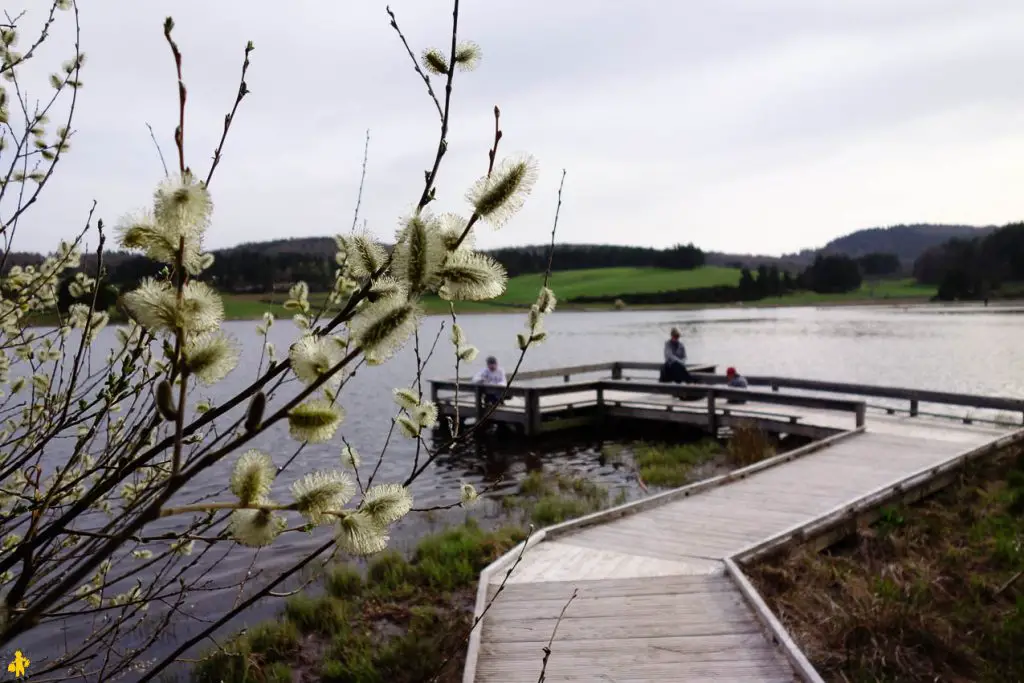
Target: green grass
(405,620)
(522,290)
(398,625)
(671,465)
(546,498)
(666,465)
(613,281)
(881,290)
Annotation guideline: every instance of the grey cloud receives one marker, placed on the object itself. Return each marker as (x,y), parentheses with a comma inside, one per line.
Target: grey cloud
(719,121)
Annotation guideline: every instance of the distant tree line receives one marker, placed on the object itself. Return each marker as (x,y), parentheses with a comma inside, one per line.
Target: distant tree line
(274,266)
(985,267)
(534,259)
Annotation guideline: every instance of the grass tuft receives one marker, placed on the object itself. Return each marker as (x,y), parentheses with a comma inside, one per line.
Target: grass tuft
(548,498)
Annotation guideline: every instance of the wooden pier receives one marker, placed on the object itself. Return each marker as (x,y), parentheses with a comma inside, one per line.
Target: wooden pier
(660,590)
(594,394)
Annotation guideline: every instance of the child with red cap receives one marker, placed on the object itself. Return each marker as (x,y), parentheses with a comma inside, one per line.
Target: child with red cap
(735,379)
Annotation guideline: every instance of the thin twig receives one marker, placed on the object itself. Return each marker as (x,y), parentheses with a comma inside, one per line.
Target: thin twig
(1009,582)
(416,64)
(160,152)
(480,617)
(554,631)
(362,180)
(243,90)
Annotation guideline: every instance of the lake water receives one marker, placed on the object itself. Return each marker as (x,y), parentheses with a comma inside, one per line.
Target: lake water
(955,348)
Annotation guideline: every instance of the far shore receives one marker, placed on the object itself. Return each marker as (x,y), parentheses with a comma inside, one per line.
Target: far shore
(238,309)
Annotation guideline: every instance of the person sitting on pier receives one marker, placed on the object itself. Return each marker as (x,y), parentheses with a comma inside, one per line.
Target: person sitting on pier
(493,376)
(674,369)
(735,380)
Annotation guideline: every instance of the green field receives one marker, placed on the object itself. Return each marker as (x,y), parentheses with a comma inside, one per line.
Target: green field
(522,291)
(613,281)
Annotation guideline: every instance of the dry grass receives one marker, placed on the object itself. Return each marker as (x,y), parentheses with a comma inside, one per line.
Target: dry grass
(748,445)
(928,593)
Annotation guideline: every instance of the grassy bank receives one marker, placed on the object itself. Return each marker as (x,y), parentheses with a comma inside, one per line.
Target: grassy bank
(405,620)
(522,292)
(673,465)
(398,620)
(930,592)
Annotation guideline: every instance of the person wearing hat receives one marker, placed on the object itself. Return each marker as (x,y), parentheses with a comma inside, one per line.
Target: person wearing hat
(674,368)
(735,380)
(493,376)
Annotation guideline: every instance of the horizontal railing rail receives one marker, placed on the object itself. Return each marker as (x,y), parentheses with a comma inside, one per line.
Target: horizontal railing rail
(914,396)
(614,369)
(712,394)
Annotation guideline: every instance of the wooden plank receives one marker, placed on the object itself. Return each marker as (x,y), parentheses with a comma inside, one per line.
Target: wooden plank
(739,647)
(654,544)
(629,676)
(559,669)
(667,623)
(558,561)
(654,585)
(637,606)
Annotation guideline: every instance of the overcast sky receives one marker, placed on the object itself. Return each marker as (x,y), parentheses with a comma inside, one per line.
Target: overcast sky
(739,125)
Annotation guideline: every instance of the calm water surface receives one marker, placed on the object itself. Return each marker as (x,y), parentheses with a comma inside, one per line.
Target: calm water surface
(953,348)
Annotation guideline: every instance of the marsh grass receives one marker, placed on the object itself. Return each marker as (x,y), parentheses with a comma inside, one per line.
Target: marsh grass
(546,498)
(671,465)
(668,465)
(748,445)
(402,619)
(399,624)
(929,592)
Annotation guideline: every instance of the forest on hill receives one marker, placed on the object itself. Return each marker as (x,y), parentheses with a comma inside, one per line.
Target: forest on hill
(907,242)
(973,263)
(990,266)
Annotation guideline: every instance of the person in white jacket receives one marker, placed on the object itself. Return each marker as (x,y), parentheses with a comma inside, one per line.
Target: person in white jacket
(492,376)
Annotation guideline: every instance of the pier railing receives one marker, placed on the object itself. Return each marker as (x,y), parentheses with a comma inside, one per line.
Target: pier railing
(630,377)
(594,394)
(616,371)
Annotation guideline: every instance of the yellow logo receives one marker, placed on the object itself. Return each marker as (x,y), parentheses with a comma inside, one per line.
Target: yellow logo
(18,665)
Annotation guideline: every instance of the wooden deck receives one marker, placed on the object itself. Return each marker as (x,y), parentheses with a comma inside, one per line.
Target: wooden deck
(807,408)
(660,596)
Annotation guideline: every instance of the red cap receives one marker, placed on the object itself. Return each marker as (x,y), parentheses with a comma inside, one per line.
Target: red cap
(730,371)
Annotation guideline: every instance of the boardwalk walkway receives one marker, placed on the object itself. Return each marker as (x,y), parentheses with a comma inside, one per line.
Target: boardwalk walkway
(655,602)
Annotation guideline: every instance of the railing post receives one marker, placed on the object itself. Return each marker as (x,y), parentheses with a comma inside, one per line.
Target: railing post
(913,407)
(600,397)
(616,370)
(566,378)
(479,401)
(532,412)
(712,413)
(861,414)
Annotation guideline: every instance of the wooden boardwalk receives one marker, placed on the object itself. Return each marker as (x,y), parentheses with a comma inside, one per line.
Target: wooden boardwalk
(659,595)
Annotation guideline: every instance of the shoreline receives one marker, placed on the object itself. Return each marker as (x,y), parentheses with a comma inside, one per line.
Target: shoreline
(481,308)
